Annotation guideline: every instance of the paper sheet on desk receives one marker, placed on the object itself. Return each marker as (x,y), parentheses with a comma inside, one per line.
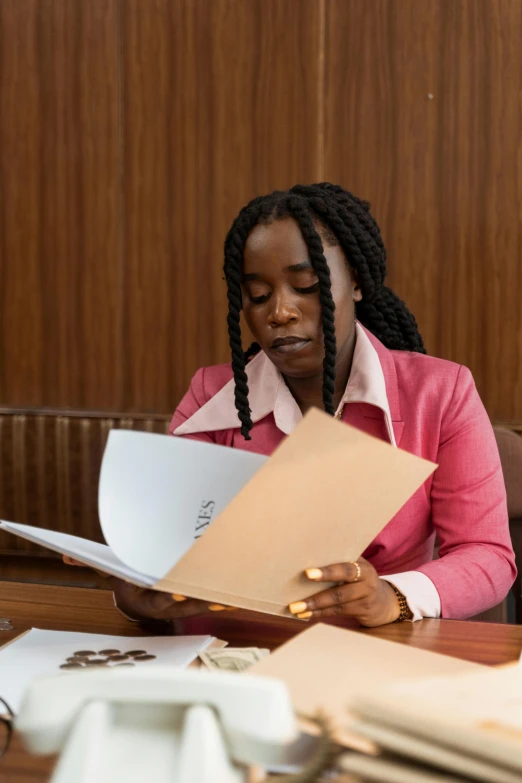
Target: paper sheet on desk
(324,667)
(39,652)
(320,498)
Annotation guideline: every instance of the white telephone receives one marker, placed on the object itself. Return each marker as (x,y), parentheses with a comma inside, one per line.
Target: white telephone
(162,724)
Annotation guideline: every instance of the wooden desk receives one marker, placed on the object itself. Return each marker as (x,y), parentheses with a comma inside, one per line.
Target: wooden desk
(92,611)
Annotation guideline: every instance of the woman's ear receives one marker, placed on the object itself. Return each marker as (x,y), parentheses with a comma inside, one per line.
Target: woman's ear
(356,288)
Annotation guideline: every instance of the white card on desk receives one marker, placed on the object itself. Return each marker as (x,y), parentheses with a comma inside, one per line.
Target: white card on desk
(39,653)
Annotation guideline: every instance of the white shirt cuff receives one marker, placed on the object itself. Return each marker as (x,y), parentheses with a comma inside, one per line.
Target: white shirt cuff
(420,593)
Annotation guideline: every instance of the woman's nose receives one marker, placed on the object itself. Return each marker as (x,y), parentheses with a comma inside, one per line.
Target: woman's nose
(283,311)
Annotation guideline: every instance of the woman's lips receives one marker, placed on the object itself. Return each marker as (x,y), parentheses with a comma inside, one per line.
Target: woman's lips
(289,344)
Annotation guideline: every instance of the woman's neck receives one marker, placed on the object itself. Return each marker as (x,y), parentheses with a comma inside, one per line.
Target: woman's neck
(308,392)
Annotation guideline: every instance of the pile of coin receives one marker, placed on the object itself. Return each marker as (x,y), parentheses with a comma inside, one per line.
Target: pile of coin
(90,659)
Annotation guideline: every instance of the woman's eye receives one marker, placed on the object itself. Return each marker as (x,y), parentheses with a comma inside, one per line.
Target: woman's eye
(310,290)
(259,299)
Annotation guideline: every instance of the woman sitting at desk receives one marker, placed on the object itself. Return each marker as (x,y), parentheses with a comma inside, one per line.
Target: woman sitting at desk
(307,267)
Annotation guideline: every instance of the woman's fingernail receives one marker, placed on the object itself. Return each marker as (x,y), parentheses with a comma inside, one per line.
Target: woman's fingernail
(297,607)
(314,573)
(304,615)
(178,597)
(216,607)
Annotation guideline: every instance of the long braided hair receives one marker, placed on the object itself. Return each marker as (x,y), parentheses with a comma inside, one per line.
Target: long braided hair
(344,220)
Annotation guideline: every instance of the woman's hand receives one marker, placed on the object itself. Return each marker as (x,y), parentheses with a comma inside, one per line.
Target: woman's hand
(138,603)
(359,593)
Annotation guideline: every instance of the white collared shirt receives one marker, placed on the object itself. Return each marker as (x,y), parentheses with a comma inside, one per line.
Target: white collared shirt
(268,393)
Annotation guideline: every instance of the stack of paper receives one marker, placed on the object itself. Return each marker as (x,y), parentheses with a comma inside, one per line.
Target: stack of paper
(321,498)
(406,713)
(468,725)
(39,653)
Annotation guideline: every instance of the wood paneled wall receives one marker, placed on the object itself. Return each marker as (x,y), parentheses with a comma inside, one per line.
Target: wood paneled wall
(60,250)
(427,123)
(132,131)
(215,95)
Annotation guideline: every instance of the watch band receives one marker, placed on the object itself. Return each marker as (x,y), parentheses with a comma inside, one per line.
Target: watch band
(405,611)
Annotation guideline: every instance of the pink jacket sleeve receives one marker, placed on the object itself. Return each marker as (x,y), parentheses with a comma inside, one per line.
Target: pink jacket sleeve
(193,400)
(477,564)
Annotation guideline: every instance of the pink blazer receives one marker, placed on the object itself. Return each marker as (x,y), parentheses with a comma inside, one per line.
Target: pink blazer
(435,412)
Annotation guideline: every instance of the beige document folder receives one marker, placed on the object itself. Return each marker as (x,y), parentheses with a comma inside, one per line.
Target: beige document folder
(321,498)
(326,667)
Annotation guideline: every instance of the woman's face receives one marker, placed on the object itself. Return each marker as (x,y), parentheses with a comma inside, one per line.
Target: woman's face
(281,298)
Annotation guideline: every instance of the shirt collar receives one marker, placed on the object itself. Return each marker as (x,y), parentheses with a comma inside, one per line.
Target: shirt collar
(268,393)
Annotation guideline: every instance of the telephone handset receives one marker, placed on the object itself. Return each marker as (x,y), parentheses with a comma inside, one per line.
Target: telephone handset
(162,724)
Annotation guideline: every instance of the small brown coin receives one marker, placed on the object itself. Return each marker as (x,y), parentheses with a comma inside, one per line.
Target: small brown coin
(71,666)
(101,662)
(136,652)
(144,657)
(109,652)
(115,658)
(84,653)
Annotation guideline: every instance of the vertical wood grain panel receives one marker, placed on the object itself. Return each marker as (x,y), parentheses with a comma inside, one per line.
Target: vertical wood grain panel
(220,105)
(221,101)
(59,198)
(444,174)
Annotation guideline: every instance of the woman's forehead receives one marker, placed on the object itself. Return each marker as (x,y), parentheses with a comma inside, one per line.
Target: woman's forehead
(281,242)
(279,236)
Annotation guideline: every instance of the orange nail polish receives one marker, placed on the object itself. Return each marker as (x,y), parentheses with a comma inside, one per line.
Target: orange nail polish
(314,573)
(297,607)
(304,615)
(216,608)
(178,597)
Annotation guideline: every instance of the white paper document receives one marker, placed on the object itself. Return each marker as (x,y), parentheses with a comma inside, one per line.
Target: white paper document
(180,484)
(39,653)
(99,556)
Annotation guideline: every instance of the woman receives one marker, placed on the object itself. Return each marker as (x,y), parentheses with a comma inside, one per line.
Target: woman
(307,267)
